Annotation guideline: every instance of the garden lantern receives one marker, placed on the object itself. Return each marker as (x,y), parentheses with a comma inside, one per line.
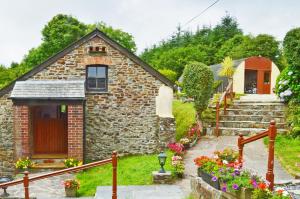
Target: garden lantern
(162,157)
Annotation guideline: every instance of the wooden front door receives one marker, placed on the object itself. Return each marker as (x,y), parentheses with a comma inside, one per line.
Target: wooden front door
(50,129)
(263,82)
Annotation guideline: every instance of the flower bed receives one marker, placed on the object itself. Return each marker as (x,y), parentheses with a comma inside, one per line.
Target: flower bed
(224,172)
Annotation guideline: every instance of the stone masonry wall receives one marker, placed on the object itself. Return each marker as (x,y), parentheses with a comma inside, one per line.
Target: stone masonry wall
(6,137)
(121,119)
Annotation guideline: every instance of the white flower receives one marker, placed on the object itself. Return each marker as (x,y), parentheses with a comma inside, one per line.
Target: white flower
(225,162)
(281,94)
(280,87)
(290,73)
(285,82)
(288,92)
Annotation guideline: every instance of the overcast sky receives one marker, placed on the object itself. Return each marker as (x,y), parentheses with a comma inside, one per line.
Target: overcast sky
(149,21)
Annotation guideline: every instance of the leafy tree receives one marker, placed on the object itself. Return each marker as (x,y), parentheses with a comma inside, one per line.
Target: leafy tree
(123,38)
(291,45)
(171,75)
(198,83)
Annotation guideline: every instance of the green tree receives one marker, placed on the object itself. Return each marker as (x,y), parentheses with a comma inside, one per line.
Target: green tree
(171,75)
(123,38)
(198,83)
(291,45)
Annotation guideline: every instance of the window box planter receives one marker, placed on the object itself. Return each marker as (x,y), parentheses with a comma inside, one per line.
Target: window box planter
(244,193)
(206,177)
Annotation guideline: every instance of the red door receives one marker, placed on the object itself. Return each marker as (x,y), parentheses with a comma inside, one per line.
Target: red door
(263,82)
(50,133)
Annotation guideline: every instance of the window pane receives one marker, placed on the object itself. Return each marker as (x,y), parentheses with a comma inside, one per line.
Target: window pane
(91,83)
(101,73)
(92,72)
(101,83)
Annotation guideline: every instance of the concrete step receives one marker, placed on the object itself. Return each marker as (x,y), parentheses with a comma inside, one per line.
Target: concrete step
(226,131)
(273,113)
(257,118)
(259,106)
(249,124)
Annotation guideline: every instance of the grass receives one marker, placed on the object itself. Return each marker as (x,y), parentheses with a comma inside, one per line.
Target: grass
(185,116)
(287,150)
(132,170)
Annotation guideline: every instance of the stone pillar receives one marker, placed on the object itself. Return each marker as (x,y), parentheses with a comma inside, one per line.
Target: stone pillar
(21,130)
(167,130)
(75,131)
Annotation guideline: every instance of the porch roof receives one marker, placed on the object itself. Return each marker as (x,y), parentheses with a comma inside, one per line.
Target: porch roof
(49,89)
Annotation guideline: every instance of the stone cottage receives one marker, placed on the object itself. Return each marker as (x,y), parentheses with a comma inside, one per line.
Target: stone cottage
(91,98)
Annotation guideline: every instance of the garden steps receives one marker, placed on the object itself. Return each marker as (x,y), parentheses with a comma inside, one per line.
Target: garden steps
(229,131)
(251,114)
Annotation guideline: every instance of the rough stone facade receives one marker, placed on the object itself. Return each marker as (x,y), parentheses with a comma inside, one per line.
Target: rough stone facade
(122,119)
(6,137)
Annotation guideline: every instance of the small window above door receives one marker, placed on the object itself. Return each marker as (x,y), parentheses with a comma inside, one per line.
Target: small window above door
(96,78)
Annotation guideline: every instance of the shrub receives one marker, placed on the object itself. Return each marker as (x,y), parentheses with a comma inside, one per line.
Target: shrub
(198,83)
(24,163)
(291,47)
(72,162)
(288,84)
(170,74)
(293,118)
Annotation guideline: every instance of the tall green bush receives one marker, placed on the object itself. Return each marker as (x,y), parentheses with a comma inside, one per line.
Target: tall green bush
(291,45)
(198,83)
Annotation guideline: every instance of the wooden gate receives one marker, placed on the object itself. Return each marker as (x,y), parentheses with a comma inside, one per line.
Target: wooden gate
(50,133)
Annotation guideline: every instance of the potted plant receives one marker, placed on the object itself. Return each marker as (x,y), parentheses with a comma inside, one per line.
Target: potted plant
(177,148)
(178,164)
(72,162)
(71,187)
(23,164)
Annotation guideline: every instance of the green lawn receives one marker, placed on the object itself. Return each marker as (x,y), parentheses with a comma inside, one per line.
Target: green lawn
(184,114)
(132,170)
(287,150)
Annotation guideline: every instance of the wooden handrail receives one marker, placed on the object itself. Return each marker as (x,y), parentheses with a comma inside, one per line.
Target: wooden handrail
(271,132)
(228,91)
(26,179)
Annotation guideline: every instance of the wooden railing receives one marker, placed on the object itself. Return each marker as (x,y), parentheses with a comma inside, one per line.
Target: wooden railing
(227,93)
(271,132)
(26,179)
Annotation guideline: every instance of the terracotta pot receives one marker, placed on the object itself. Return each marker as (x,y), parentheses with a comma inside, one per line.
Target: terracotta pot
(70,192)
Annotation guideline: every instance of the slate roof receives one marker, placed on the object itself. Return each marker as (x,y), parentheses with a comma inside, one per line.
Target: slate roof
(95,33)
(49,89)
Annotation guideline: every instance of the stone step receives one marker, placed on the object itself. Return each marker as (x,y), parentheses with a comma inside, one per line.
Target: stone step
(273,113)
(258,101)
(236,131)
(257,118)
(262,106)
(138,192)
(249,124)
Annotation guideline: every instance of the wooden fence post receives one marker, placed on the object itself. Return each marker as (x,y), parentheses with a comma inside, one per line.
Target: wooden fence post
(217,118)
(114,180)
(241,147)
(26,184)
(270,172)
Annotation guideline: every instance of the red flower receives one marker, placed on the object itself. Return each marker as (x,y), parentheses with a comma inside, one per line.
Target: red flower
(262,186)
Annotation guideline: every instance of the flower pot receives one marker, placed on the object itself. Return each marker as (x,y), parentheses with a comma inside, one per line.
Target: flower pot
(71,192)
(206,177)
(186,146)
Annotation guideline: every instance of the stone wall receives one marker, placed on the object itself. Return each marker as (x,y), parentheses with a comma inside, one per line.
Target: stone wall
(6,137)
(167,128)
(123,118)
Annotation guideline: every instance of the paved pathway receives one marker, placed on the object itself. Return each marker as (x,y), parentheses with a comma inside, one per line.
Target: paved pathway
(43,189)
(255,156)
